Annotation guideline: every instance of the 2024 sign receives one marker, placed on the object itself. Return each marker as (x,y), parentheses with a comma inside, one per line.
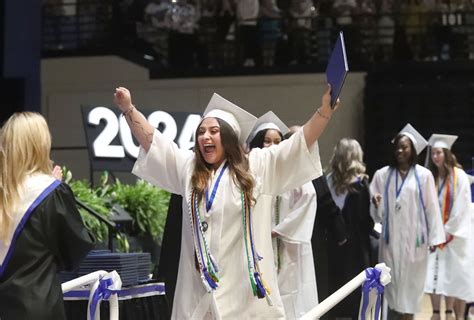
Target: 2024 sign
(114,140)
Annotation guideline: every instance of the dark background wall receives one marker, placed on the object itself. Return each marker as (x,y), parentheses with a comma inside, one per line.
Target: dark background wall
(434,98)
(20,42)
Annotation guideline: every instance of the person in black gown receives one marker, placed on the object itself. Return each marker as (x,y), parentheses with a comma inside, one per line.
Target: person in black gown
(349,188)
(41,230)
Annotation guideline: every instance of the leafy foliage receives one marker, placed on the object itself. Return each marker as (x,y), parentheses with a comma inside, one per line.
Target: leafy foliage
(89,196)
(146,204)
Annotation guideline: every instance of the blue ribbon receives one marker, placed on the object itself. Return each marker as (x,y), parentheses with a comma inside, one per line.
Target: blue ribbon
(372,282)
(214,190)
(101,293)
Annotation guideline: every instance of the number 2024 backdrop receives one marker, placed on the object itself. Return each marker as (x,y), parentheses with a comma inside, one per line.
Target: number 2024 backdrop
(111,144)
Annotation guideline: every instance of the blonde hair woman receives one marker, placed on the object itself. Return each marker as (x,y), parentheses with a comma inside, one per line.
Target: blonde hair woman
(41,230)
(349,188)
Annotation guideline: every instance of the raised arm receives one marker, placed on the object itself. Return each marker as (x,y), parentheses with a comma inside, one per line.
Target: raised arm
(316,125)
(137,122)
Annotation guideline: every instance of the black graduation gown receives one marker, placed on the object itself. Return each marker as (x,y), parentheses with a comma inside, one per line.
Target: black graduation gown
(328,226)
(348,260)
(171,249)
(54,238)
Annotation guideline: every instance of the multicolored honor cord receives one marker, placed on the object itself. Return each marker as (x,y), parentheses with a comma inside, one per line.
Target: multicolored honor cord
(206,263)
(278,240)
(259,287)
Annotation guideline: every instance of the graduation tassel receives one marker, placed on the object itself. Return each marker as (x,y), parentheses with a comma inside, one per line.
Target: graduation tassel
(261,292)
(259,287)
(208,277)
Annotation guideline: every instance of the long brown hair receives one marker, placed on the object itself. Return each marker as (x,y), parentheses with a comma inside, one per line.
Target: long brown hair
(450,162)
(25,145)
(235,156)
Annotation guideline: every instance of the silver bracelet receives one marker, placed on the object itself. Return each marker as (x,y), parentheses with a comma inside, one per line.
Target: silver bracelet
(318,111)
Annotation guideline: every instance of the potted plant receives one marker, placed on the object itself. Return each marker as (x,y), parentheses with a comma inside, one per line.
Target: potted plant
(95,198)
(148,206)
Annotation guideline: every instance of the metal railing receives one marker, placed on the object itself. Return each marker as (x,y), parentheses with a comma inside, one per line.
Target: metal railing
(213,43)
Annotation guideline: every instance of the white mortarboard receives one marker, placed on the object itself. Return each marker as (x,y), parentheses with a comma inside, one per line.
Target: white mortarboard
(442,140)
(418,141)
(268,121)
(240,120)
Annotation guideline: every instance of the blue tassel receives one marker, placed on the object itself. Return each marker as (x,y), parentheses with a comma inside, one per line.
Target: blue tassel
(209,280)
(261,292)
(206,284)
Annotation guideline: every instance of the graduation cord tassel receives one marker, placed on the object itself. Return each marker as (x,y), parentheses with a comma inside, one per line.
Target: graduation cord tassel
(259,287)
(210,274)
(250,266)
(198,253)
(278,240)
(207,268)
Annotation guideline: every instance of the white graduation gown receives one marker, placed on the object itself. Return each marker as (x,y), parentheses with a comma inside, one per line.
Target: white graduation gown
(297,278)
(449,269)
(275,170)
(471,250)
(407,260)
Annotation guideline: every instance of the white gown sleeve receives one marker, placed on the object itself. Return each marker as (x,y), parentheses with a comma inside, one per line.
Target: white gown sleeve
(436,233)
(297,226)
(164,165)
(377,186)
(459,222)
(285,166)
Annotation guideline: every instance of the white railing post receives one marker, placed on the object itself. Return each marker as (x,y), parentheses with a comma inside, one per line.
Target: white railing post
(94,279)
(326,305)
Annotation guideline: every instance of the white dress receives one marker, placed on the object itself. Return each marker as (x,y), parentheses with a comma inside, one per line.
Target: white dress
(296,276)
(449,269)
(410,231)
(275,170)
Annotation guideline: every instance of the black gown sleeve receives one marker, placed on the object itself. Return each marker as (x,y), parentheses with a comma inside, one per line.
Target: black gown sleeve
(65,233)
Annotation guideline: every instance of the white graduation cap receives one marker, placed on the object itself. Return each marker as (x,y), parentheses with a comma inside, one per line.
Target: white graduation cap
(240,120)
(268,121)
(442,140)
(418,141)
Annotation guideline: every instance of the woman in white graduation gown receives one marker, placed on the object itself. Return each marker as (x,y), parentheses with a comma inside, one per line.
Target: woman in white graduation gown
(405,202)
(293,216)
(226,261)
(449,269)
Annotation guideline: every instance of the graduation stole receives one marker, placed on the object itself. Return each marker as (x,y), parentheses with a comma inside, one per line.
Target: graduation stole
(35,189)
(446,203)
(206,263)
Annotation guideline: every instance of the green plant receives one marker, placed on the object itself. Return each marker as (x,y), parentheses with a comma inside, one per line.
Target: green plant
(85,194)
(95,198)
(147,205)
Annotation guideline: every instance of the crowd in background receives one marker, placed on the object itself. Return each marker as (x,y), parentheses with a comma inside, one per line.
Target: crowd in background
(217,33)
